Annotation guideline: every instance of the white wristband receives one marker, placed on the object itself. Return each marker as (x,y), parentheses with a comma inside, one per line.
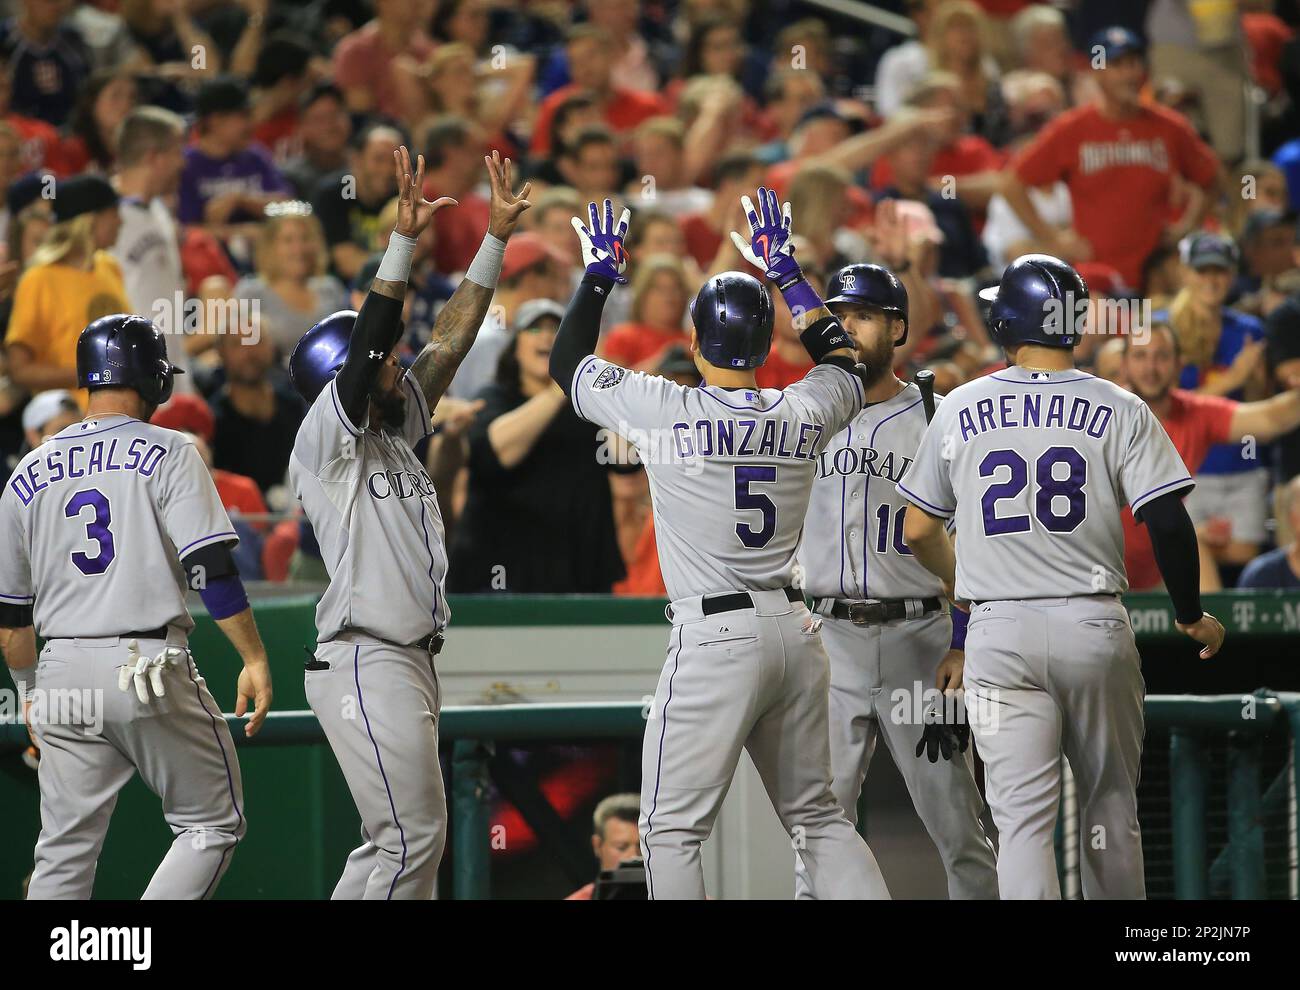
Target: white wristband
(24,680)
(485,269)
(396,263)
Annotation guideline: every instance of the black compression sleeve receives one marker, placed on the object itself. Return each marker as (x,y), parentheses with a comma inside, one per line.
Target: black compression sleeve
(580,328)
(15,616)
(208,563)
(378,327)
(1173,538)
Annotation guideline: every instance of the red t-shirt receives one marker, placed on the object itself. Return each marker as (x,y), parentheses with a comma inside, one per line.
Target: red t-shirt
(777,372)
(363,60)
(457,233)
(626,108)
(702,241)
(240,492)
(629,344)
(41,146)
(1195,424)
(1120,174)
(970,154)
(1266,36)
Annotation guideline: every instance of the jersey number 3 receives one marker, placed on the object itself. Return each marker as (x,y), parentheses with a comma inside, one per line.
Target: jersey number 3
(96,530)
(1070,489)
(747,498)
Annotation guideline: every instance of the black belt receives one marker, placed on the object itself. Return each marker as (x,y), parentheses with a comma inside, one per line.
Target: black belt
(875,612)
(431,644)
(159,633)
(713,604)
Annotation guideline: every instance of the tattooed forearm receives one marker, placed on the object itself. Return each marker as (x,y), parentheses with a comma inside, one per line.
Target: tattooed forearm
(393,290)
(453,334)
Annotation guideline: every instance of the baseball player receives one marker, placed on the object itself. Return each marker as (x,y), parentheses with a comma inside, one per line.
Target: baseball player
(730,468)
(100,528)
(885,623)
(1034,463)
(372,682)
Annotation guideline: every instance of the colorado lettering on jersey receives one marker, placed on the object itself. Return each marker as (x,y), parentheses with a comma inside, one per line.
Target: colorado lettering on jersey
(80,460)
(400,484)
(744,438)
(1027,410)
(848,461)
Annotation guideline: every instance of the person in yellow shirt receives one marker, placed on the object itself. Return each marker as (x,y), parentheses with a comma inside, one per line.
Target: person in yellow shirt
(70,281)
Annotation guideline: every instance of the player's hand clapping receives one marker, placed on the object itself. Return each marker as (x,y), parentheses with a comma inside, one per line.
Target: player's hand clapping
(769,246)
(414,212)
(506,206)
(1207,630)
(602,243)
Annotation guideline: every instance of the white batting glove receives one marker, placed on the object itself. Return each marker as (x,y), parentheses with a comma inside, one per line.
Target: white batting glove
(602,242)
(146,671)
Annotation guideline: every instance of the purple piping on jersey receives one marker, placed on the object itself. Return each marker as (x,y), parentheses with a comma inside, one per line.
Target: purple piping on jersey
(573,388)
(1137,502)
(659,765)
(230,780)
(425,415)
(862,394)
(704,389)
(347,424)
(93,433)
(401,833)
(1062,381)
(203,539)
(429,547)
(21,599)
(844,483)
(917,498)
(866,500)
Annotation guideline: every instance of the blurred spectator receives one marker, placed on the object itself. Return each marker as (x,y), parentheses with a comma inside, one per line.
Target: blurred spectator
(716,56)
(903,65)
(47,413)
(41,144)
(1258,186)
(323,131)
(281,79)
(947,376)
(70,281)
(959,44)
(1163,275)
(1222,351)
(615,837)
(48,60)
(655,232)
(576,112)
(538,516)
(463,22)
(1042,43)
(187,413)
(634,66)
(453,161)
(590,164)
(253,403)
(227,180)
(1196,423)
(1119,159)
(1108,362)
(591,65)
(1283,353)
(660,293)
(348,202)
(291,288)
(364,61)
(532,272)
(658,149)
(1201,45)
(552,220)
(788,360)
(240,497)
(735,175)
(169,37)
(28,220)
(1278,569)
(103,103)
(10,170)
(1268,250)
(150,158)
(791,93)
(820,195)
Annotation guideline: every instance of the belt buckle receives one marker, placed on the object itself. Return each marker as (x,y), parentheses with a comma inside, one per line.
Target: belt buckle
(866,613)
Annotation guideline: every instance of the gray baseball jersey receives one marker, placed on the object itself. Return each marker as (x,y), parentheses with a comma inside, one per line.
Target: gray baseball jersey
(374,511)
(93,524)
(853,538)
(730,469)
(1035,466)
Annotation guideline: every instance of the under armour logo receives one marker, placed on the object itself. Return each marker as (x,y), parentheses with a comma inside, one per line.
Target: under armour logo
(850,282)
(376,355)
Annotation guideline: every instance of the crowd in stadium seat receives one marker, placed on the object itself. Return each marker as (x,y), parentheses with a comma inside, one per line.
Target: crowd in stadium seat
(224,167)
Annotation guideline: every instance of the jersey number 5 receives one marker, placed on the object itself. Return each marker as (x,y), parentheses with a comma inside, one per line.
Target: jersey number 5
(746,498)
(96,530)
(1050,488)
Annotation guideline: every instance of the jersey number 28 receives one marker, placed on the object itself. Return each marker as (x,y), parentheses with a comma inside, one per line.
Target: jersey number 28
(1050,488)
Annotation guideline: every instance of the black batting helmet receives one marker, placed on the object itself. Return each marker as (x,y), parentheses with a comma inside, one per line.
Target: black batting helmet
(869,285)
(733,319)
(125,351)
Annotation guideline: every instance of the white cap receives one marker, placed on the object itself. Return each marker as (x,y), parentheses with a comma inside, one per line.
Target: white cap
(45,406)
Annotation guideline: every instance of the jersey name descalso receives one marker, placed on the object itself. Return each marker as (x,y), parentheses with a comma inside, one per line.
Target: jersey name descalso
(1029,409)
(743,438)
(80,460)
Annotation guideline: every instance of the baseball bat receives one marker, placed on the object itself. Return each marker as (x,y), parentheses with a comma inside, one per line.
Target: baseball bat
(925,382)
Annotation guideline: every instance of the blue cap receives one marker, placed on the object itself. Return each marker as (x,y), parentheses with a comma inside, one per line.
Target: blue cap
(1116,41)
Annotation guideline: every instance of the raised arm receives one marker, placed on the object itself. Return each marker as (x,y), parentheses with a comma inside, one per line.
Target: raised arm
(458,323)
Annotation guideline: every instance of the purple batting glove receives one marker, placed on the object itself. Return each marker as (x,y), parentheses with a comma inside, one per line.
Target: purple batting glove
(602,242)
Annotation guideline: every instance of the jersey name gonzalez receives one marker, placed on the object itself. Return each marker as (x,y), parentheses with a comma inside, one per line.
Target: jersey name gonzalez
(1035,411)
(79,460)
(747,438)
